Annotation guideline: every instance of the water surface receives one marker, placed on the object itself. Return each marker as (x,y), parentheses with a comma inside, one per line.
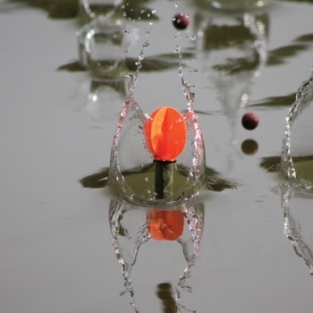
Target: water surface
(56,240)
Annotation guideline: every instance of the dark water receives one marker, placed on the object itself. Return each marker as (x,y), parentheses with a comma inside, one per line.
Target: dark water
(246,242)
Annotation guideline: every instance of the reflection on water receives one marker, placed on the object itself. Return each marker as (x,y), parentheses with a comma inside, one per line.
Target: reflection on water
(91,9)
(249,146)
(212,180)
(63,9)
(101,47)
(165,294)
(280,55)
(274,102)
(132,9)
(298,223)
(160,62)
(105,99)
(57,9)
(132,226)
(234,53)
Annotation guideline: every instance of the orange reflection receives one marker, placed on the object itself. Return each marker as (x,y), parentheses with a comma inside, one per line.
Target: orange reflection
(165,225)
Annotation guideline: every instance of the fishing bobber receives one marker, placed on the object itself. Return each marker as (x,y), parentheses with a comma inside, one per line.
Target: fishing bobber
(166,136)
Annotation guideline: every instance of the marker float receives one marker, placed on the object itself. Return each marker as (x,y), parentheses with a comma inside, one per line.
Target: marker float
(166,136)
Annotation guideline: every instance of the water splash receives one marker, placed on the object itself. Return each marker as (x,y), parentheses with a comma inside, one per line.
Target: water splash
(191,247)
(131,155)
(131,227)
(129,231)
(296,165)
(293,229)
(133,78)
(297,153)
(132,172)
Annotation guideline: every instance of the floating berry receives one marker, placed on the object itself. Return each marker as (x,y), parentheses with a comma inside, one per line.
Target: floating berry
(180,21)
(166,134)
(250,120)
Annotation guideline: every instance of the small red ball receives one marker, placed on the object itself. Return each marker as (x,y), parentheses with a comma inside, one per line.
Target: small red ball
(180,21)
(250,120)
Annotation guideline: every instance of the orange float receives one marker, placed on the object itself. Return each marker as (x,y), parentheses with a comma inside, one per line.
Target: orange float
(166,133)
(165,225)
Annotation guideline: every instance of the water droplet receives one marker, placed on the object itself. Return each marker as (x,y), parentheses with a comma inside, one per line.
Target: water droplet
(146,44)
(200,33)
(177,49)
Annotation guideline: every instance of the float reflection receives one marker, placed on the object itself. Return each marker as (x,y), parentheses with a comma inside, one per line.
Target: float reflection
(132,226)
